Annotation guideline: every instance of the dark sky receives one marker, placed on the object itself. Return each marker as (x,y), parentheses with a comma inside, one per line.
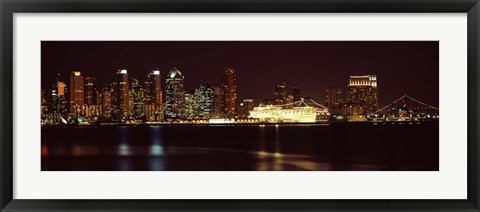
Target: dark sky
(410,67)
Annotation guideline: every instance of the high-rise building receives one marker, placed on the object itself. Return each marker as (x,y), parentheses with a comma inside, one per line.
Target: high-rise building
(245,107)
(113,94)
(229,92)
(91,91)
(106,105)
(77,97)
(334,100)
(153,96)
(362,90)
(122,94)
(174,95)
(137,99)
(192,107)
(92,103)
(280,94)
(206,99)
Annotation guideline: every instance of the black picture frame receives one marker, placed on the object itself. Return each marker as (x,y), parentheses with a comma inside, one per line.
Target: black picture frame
(9,7)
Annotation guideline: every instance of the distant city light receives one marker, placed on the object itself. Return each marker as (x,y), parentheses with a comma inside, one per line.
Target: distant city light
(156,72)
(123,71)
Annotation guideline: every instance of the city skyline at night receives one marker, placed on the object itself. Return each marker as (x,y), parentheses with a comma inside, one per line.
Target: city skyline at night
(402,67)
(239,105)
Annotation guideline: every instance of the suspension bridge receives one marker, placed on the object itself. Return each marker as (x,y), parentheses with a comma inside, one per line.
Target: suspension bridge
(405,108)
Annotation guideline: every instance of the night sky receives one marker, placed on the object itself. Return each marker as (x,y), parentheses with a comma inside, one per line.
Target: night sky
(410,67)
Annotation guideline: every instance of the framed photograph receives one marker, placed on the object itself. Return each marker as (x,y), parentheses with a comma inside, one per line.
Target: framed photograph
(239,105)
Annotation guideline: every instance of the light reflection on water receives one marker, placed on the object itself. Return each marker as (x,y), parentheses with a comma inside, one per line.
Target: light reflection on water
(271,148)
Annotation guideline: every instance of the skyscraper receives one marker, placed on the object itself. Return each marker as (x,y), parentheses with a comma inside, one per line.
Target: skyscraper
(362,90)
(334,100)
(106,105)
(91,91)
(91,97)
(229,92)
(77,97)
(137,99)
(122,94)
(174,95)
(280,94)
(206,99)
(153,96)
(192,107)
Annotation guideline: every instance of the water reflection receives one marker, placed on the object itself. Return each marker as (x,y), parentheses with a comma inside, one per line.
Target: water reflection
(156,148)
(248,148)
(123,148)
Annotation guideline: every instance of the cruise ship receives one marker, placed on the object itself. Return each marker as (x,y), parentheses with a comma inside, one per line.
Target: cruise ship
(278,114)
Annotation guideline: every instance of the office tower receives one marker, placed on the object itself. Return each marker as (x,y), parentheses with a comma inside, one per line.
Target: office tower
(191,105)
(206,99)
(92,107)
(174,95)
(153,96)
(280,94)
(362,90)
(113,94)
(137,99)
(246,106)
(334,100)
(57,99)
(122,94)
(91,91)
(77,97)
(229,92)
(106,105)
(297,94)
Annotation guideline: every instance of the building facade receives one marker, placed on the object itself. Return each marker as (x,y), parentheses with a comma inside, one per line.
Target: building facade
(205,96)
(77,96)
(334,100)
(153,96)
(122,93)
(280,94)
(137,99)
(174,95)
(229,92)
(363,91)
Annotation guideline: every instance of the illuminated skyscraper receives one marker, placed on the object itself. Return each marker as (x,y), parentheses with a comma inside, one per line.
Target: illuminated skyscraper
(57,99)
(122,94)
(363,91)
(191,105)
(229,92)
(92,102)
(334,100)
(174,95)
(280,94)
(153,96)
(206,99)
(137,99)
(91,91)
(77,97)
(106,105)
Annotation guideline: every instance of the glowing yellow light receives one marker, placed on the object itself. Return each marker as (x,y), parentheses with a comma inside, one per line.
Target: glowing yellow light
(76,73)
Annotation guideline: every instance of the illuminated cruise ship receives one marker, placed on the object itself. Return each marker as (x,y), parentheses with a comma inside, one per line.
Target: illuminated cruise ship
(278,114)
